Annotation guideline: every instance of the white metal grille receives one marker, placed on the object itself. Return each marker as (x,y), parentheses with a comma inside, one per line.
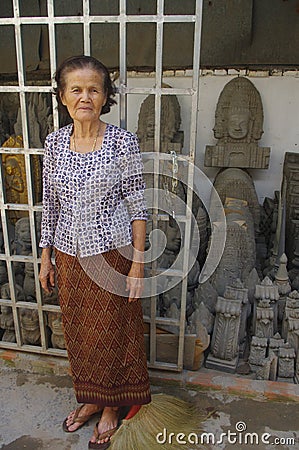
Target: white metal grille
(23,89)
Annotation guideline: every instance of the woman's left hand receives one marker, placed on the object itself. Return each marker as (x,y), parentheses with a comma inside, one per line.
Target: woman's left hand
(135,281)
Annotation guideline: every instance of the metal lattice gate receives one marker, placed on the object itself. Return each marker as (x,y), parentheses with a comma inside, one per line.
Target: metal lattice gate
(36,316)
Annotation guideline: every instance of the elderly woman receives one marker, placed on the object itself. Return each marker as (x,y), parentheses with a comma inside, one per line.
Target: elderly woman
(94,211)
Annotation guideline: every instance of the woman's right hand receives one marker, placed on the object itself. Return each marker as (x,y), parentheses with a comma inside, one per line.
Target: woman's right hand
(47,271)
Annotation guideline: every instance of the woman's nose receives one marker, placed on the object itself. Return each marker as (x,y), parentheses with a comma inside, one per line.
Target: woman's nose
(85,96)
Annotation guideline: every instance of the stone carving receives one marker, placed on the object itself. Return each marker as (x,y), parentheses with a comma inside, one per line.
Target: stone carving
(286,364)
(55,325)
(225,339)
(291,183)
(265,311)
(15,177)
(275,343)
(238,257)
(284,288)
(268,371)
(238,128)
(264,319)
(6,316)
(171,137)
(258,351)
(238,292)
(29,324)
(290,324)
(21,246)
(236,183)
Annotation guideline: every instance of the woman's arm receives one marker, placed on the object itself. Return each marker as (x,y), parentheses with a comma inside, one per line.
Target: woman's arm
(135,281)
(47,271)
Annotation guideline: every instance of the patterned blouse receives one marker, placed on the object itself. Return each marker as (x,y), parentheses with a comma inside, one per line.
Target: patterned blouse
(90,200)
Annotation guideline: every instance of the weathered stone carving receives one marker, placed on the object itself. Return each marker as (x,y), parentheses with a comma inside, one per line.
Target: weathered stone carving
(171,137)
(258,351)
(29,324)
(291,183)
(275,343)
(284,287)
(268,371)
(225,339)
(238,257)
(264,319)
(6,316)
(236,183)
(238,128)
(55,325)
(286,364)
(290,324)
(265,311)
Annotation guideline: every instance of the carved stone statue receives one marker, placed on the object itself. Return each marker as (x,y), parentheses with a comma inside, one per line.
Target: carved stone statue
(171,137)
(258,351)
(238,257)
(264,319)
(225,339)
(6,316)
(55,324)
(266,299)
(286,364)
(238,128)
(21,246)
(236,183)
(30,328)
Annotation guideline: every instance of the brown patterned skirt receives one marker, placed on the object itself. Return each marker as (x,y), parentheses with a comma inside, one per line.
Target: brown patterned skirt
(104,336)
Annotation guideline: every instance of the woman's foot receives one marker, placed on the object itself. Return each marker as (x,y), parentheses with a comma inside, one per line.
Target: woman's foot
(77,418)
(108,422)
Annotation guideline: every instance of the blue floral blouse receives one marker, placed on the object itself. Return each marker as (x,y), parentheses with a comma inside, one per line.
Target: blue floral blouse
(90,200)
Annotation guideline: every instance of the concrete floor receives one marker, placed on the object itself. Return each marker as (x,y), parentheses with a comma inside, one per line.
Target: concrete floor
(33,407)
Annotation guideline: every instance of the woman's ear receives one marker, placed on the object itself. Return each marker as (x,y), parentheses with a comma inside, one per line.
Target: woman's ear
(61,96)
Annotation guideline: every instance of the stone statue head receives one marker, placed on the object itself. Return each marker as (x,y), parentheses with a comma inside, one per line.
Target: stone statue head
(239,113)
(170,118)
(22,230)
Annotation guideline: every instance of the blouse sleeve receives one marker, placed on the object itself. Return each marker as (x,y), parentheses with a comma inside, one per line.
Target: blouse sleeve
(133,184)
(51,204)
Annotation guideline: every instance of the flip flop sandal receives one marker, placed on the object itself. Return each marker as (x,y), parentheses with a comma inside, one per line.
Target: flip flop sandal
(82,420)
(99,437)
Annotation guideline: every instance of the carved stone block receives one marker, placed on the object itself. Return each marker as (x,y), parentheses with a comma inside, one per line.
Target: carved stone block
(225,345)
(258,351)
(238,127)
(237,155)
(286,363)
(268,371)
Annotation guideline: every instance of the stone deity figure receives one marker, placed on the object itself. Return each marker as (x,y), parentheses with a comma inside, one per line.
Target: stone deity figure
(6,316)
(170,124)
(238,128)
(21,246)
(55,324)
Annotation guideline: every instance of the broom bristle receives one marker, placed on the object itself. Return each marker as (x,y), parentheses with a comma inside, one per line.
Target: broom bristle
(165,414)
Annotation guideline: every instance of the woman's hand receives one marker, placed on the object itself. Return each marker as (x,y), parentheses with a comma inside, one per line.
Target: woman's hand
(135,281)
(47,271)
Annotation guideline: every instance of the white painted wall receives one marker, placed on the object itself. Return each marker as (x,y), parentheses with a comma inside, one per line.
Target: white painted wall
(280,98)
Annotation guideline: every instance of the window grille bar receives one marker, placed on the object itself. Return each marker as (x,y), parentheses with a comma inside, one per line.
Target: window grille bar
(86,27)
(99,19)
(53,61)
(122,65)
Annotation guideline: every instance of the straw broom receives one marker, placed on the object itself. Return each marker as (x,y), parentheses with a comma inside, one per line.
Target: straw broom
(165,414)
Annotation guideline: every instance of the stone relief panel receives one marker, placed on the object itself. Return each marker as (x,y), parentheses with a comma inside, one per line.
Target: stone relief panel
(238,128)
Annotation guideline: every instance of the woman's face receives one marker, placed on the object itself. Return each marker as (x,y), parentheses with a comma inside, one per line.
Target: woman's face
(84,94)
